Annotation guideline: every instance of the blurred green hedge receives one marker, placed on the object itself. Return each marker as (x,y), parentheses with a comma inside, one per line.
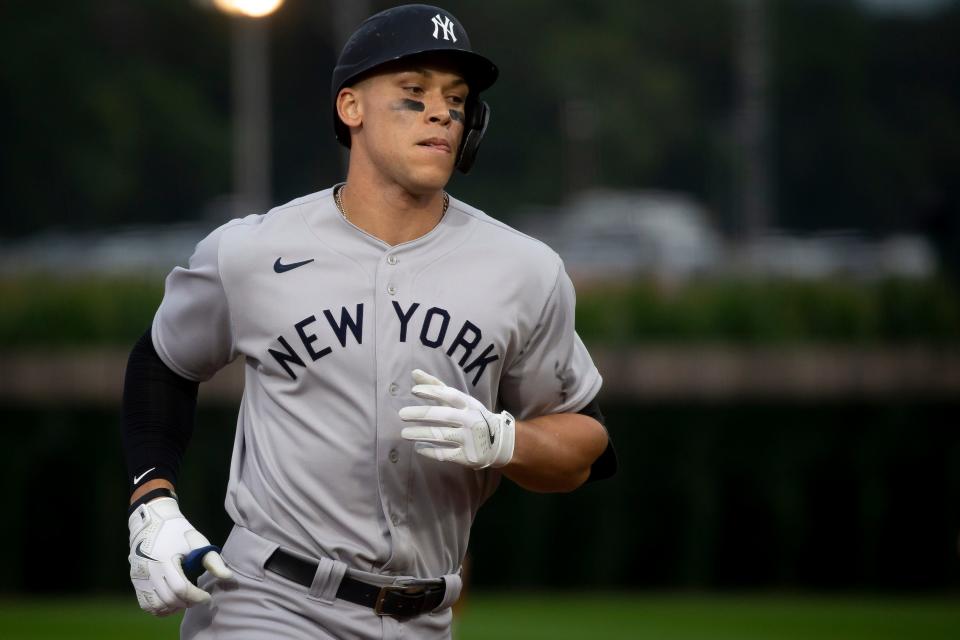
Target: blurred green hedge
(772,312)
(37,312)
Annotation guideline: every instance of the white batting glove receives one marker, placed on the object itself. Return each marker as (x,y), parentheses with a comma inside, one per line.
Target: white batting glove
(160,538)
(465,432)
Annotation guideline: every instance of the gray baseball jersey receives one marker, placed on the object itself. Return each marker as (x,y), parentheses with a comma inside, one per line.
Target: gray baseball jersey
(330,321)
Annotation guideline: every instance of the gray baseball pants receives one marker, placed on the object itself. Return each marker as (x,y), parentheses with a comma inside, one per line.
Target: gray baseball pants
(261,605)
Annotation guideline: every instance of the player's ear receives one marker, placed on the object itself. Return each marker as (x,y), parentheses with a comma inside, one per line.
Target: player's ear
(348,107)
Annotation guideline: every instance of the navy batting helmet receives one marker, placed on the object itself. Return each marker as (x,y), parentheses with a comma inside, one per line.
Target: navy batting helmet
(410,30)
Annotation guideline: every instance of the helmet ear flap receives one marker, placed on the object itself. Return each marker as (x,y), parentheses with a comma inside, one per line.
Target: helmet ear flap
(475,126)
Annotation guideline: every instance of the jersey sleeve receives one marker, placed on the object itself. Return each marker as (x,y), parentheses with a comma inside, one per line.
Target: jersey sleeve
(554,372)
(192,330)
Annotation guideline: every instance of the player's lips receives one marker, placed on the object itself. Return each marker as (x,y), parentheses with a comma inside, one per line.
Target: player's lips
(439,144)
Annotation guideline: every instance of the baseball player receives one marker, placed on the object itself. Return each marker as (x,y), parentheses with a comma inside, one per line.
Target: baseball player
(403,351)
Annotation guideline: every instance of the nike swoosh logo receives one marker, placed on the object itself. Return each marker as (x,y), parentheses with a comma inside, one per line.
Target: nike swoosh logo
(141,553)
(137,479)
(489,428)
(279,267)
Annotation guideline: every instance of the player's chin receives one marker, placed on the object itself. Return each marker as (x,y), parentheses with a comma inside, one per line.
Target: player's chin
(431,174)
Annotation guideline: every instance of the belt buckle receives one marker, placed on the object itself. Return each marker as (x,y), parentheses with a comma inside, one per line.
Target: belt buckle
(405,589)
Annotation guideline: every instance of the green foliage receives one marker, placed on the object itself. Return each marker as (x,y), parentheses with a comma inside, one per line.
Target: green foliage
(42,311)
(121,113)
(614,93)
(772,312)
(39,311)
(112,113)
(863,137)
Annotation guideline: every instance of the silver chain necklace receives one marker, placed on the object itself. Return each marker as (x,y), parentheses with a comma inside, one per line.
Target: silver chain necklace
(338,199)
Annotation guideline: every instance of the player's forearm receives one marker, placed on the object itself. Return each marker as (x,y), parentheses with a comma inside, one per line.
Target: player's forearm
(156,419)
(553,453)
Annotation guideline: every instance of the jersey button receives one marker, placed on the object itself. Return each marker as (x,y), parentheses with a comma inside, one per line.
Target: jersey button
(394,455)
(391,259)
(394,389)
(395,519)
(391,289)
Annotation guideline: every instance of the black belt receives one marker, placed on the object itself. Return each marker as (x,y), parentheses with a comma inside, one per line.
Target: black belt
(399,601)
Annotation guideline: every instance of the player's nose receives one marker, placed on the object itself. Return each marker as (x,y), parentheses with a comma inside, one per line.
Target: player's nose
(438,111)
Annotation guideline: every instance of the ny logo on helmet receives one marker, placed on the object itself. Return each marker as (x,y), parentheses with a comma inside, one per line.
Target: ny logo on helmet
(446,24)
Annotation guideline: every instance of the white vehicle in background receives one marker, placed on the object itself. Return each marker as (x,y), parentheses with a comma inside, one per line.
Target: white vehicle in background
(605,234)
(834,254)
(616,235)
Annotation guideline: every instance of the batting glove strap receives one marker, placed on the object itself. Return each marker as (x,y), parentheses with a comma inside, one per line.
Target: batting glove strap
(149,496)
(160,537)
(507,440)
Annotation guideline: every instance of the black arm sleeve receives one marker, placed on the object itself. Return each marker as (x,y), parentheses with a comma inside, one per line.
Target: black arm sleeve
(606,465)
(157,417)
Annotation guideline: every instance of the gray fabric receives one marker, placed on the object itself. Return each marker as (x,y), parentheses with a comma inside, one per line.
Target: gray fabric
(260,605)
(318,463)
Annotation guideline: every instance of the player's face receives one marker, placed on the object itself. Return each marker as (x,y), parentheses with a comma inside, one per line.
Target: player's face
(413,119)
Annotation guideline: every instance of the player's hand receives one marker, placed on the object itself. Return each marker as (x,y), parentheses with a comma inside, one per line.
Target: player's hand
(462,431)
(160,538)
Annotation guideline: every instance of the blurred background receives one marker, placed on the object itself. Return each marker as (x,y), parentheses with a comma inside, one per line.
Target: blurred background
(759,202)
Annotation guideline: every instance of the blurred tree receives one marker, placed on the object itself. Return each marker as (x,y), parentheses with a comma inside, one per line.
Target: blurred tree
(118,112)
(113,112)
(650,80)
(868,123)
